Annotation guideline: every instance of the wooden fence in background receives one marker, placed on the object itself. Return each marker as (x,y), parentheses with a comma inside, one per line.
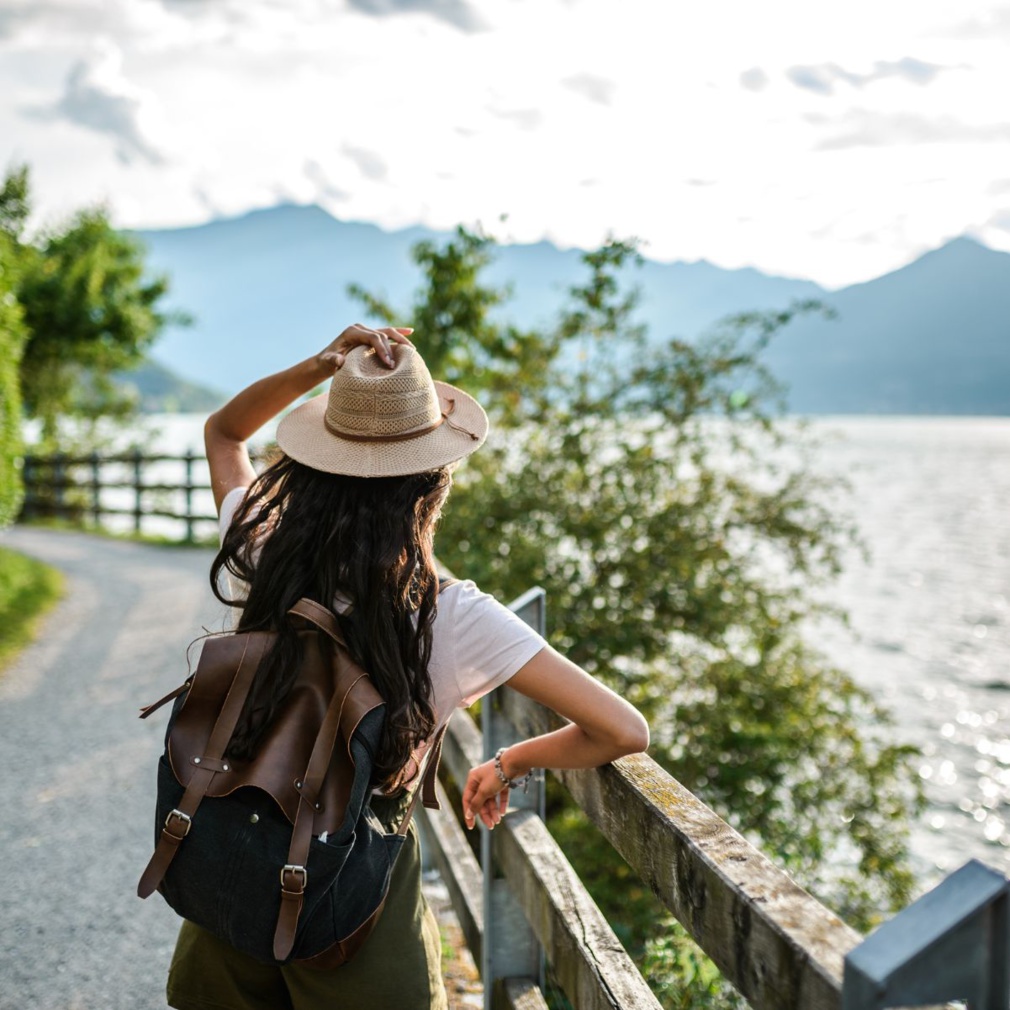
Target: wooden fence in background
(132,487)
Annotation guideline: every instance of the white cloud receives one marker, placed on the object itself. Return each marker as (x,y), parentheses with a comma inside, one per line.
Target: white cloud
(98,96)
(754,79)
(592,86)
(866,128)
(525,119)
(368,163)
(987,24)
(823,77)
(691,136)
(457,13)
(326,190)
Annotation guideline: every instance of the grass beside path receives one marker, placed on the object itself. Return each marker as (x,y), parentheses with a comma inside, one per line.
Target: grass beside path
(28,589)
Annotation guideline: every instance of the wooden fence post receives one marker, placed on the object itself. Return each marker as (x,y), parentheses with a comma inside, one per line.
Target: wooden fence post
(137,490)
(59,479)
(27,481)
(509,948)
(96,491)
(188,490)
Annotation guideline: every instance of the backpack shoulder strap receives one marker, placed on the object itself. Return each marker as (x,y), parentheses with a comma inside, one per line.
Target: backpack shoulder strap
(171,696)
(425,790)
(294,875)
(322,617)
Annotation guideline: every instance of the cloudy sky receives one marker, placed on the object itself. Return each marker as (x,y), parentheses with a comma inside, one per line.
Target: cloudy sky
(827,140)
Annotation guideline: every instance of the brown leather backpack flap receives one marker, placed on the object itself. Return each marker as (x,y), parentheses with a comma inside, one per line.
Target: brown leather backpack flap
(283,755)
(361,695)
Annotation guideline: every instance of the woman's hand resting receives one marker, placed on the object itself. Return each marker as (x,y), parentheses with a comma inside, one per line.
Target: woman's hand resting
(485,795)
(603,728)
(331,358)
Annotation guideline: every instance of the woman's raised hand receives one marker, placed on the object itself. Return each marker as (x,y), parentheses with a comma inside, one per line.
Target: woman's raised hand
(380,340)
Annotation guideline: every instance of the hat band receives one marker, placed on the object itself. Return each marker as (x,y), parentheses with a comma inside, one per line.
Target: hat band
(406,436)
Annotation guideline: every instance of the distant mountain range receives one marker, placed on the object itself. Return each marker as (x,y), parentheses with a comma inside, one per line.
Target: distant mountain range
(269,288)
(159,390)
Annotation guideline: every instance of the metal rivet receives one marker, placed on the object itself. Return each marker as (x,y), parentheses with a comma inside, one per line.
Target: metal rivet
(319,806)
(298,785)
(196,761)
(225,767)
(254,818)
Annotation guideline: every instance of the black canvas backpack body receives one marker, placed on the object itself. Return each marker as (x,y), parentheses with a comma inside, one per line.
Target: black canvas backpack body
(280,855)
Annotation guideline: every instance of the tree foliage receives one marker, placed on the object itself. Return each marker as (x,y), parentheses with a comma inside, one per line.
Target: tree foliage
(87,306)
(12,340)
(463,343)
(655,491)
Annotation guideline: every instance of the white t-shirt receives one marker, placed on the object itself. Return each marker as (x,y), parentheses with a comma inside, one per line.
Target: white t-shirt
(476,643)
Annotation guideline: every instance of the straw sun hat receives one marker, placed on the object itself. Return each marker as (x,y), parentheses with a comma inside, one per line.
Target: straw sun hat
(378,421)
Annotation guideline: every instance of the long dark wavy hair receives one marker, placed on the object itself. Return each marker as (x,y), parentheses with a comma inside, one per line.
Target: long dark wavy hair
(301,532)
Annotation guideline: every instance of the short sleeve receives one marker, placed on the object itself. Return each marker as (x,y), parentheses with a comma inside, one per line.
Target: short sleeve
(490,644)
(229,506)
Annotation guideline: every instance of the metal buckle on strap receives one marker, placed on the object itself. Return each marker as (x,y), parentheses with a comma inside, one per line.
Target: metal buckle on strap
(298,871)
(185,818)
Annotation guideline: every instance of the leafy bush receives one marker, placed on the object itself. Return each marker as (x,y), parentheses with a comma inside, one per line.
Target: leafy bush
(27,589)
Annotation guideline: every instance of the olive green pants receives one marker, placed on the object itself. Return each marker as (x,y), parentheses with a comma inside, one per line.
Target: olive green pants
(398,968)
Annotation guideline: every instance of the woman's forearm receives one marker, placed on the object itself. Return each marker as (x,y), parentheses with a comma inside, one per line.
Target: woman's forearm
(568,747)
(227,430)
(603,728)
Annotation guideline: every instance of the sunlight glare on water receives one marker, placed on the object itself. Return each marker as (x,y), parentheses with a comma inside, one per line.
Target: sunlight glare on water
(930,633)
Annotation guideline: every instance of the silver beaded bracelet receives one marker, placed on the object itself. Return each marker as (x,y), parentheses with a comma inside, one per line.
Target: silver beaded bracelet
(511,783)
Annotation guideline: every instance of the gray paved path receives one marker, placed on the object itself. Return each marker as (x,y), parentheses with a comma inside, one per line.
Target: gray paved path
(77,773)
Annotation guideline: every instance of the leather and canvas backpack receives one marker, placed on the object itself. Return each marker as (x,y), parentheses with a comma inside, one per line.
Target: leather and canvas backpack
(281,855)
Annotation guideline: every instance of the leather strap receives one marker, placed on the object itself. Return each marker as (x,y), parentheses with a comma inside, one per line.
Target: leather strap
(294,875)
(318,615)
(178,822)
(171,696)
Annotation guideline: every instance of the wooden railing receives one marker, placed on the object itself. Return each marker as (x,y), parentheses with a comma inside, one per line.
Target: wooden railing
(775,943)
(161,493)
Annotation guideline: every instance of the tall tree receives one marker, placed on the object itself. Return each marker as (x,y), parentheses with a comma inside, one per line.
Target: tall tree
(463,341)
(88,307)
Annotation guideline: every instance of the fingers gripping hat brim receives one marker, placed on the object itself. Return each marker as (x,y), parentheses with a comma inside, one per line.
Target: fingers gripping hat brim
(382,421)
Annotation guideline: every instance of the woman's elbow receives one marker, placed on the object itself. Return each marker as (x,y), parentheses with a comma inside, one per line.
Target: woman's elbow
(633,737)
(210,432)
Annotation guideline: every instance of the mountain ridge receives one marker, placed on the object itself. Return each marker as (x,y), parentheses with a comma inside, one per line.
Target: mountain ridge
(269,287)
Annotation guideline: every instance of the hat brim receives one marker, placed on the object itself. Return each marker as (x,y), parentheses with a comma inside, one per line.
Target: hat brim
(303,436)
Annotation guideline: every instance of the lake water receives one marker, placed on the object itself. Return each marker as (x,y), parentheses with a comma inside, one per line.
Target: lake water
(930,614)
(930,609)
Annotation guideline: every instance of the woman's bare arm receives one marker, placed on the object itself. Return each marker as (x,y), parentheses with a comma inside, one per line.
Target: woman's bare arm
(226,431)
(603,728)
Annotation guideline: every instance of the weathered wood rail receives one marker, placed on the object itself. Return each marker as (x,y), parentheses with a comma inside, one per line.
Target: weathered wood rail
(774,942)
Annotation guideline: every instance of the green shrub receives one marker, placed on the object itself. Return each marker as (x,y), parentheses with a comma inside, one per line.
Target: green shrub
(12,340)
(28,588)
